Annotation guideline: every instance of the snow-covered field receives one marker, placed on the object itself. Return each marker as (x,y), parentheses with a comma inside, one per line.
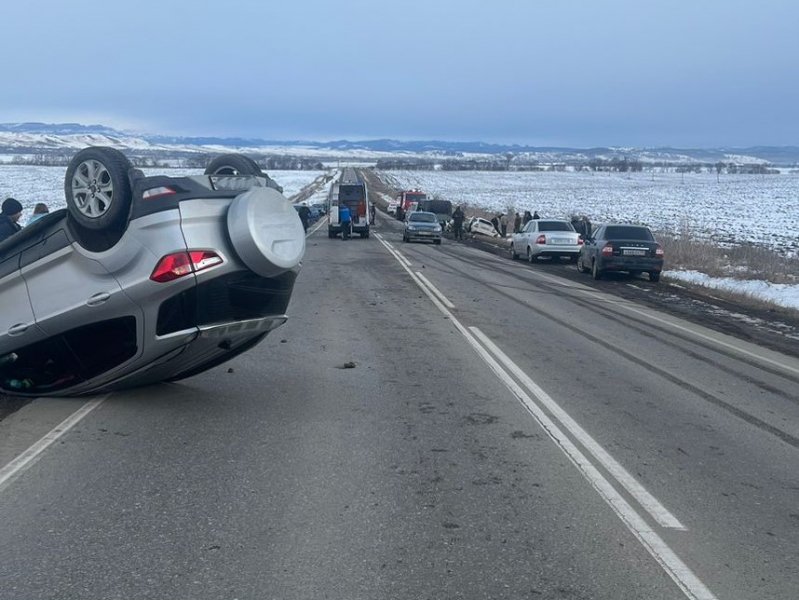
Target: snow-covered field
(30,184)
(760,209)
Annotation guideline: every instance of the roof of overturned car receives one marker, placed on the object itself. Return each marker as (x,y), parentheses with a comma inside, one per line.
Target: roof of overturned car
(145,279)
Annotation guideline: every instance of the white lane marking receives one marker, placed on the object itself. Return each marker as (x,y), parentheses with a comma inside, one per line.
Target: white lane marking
(29,456)
(444,300)
(680,573)
(619,473)
(626,305)
(316,227)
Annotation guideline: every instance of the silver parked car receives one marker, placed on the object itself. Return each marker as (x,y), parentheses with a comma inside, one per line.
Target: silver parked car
(144,279)
(546,237)
(421,225)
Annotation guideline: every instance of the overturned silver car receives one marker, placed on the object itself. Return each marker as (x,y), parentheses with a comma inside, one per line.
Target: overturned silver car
(144,279)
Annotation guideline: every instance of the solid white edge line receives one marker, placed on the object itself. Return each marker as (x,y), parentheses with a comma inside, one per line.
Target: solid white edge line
(626,305)
(436,291)
(29,456)
(619,473)
(680,573)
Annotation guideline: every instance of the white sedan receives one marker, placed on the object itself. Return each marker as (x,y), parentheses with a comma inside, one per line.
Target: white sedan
(546,237)
(481,226)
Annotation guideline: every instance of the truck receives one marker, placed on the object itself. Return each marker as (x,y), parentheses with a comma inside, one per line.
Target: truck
(351,191)
(441,208)
(408,202)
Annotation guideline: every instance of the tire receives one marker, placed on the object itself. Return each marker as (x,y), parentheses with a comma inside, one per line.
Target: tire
(97,189)
(233,164)
(654,276)
(530,258)
(596,273)
(513,255)
(437,242)
(580,266)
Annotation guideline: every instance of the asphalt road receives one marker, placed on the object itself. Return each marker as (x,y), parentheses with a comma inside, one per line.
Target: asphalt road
(432,422)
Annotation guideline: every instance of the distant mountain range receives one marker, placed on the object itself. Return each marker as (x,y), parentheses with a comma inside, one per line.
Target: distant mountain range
(61,138)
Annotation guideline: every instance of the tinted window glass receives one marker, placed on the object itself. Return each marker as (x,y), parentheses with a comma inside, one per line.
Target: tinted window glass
(554,226)
(621,232)
(425,217)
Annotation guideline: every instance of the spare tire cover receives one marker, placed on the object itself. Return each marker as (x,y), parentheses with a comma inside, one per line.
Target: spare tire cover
(266,231)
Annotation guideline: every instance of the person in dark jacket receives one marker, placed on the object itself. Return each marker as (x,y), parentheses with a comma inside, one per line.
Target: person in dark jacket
(10,214)
(495,223)
(457,223)
(527,217)
(305,216)
(535,215)
(517,223)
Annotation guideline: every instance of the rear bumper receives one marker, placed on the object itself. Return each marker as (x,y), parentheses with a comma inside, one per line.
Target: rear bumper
(628,263)
(553,250)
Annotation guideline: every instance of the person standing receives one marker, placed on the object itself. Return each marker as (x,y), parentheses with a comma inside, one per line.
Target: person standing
(305,216)
(345,219)
(527,217)
(495,223)
(457,223)
(535,215)
(517,223)
(9,215)
(503,224)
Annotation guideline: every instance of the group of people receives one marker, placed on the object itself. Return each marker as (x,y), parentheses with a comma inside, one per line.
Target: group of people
(580,223)
(11,213)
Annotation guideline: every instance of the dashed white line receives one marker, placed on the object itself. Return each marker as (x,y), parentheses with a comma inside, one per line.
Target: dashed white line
(29,456)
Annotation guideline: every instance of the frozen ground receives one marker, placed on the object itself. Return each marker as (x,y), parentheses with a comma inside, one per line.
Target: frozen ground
(30,184)
(757,209)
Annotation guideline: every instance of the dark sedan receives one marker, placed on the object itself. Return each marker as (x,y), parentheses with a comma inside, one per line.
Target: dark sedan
(615,247)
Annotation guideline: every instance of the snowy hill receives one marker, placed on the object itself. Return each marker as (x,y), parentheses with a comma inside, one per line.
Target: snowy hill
(66,138)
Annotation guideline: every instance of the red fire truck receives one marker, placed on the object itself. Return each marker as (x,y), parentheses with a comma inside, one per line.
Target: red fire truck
(408,201)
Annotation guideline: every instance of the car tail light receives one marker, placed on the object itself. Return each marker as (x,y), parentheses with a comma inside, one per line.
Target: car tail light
(157,192)
(607,250)
(177,265)
(659,251)
(580,240)
(541,239)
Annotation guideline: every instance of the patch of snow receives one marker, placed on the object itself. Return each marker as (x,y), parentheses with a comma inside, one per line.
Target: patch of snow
(782,294)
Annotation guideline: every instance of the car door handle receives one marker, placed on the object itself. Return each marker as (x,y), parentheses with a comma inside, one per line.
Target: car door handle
(98,299)
(18,329)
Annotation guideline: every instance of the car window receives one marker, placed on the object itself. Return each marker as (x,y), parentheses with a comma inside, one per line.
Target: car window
(423,217)
(627,232)
(554,226)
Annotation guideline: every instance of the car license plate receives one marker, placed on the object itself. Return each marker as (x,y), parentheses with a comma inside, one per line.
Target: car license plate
(635,252)
(561,241)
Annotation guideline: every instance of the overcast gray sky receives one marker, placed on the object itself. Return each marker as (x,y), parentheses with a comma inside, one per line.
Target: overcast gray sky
(692,73)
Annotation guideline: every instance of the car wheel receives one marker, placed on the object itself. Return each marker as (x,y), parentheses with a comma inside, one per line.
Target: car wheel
(596,273)
(530,257)
(654,276)
(97,188)
(437,242)
(580,266)
(513,255)
(233,164)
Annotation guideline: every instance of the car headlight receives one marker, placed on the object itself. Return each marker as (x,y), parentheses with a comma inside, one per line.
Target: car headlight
(411,227)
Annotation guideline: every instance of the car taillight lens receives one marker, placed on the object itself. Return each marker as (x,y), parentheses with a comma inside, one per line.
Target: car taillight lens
(659,252)
(607,250)
(542,239)
(580,240)
(177,265)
